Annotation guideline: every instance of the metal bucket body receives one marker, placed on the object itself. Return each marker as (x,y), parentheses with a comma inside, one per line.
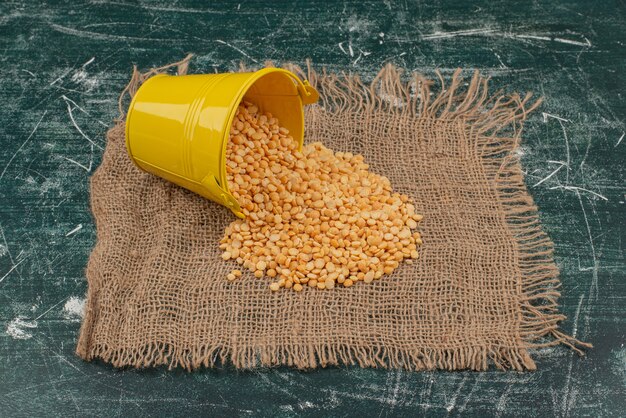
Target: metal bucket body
(177,127)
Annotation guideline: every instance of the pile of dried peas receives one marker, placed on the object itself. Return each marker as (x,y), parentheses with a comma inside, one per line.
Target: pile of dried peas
(313,217)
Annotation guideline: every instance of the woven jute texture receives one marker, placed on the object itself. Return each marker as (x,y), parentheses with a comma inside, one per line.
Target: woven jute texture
(483,293)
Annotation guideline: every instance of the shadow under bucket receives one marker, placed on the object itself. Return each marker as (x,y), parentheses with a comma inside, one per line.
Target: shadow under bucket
(177,127)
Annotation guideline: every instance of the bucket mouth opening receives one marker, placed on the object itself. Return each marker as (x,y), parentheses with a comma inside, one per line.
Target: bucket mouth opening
(275,88)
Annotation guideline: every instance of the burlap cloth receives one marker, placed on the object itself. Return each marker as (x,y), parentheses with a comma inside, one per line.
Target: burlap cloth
(482,293)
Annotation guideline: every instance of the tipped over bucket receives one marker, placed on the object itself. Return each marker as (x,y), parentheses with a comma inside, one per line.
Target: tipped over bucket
(177,127)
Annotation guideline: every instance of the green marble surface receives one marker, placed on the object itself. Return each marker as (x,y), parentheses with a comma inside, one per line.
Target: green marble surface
(63,66)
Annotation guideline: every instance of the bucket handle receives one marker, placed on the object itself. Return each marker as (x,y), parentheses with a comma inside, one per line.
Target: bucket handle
(211,183)
(308,94)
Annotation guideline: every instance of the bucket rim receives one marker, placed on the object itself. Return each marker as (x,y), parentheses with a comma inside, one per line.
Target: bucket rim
(303,92)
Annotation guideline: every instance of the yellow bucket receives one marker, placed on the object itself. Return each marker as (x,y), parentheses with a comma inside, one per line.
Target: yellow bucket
(177,127)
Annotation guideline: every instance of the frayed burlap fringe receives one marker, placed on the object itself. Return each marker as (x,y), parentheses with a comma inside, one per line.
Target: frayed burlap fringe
(490,127)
